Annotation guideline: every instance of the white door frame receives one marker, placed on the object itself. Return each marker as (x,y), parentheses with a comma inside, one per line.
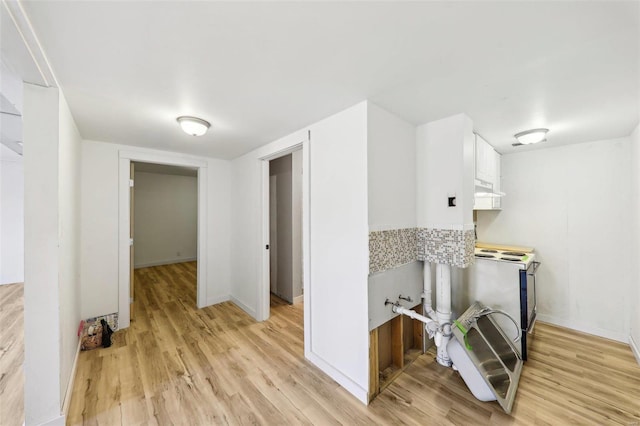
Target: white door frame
(263,308)
(126,157)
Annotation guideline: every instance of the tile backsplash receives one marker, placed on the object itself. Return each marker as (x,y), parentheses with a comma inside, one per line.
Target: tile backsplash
(449,246)
(393,248)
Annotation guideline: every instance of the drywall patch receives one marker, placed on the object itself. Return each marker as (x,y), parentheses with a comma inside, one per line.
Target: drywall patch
(447,246)
(391,249)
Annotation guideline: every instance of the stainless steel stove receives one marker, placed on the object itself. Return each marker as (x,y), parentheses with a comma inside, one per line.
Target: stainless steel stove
(506,280)
(522,257)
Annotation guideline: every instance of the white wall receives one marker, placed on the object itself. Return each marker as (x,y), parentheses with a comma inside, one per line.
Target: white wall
(392,181)
(166,219)
(99,224)
(338,238)
(52,290)
(634,338)
(41,290)
(391,168)
(11,217)
(339,246)
(445,157)
(572,204)
(69,240)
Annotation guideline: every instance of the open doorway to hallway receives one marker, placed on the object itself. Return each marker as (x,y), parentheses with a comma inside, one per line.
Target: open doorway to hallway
(164,231)
(285,229)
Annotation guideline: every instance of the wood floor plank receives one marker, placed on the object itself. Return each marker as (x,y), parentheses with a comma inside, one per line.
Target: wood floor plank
(11,354)
(216,366)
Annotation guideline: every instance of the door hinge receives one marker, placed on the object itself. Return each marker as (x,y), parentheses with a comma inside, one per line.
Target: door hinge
(130,300)
(130,183)
(130,241)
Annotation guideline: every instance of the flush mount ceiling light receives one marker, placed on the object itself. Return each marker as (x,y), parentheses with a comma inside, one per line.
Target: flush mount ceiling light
(532,136)
(193,126)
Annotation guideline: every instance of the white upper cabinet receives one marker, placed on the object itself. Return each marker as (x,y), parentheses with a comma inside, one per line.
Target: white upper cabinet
(484,160)
(487,176)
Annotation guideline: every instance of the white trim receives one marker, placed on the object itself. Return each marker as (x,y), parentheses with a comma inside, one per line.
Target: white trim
(218,299)
(298,299)
(124,315)
(264,289)
(306,242)
(31,42)
(58,421)
(203,185)
(69,392)
(165,262)
(263,305)
(126,157)
(243,306)
(635,349)
(168,160)
(567,323)
(352,387)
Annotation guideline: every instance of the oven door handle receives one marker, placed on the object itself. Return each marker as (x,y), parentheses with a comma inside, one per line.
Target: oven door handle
(534,266)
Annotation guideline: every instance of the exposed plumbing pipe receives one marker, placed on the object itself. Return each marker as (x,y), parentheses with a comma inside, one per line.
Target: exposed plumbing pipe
(443,313)
(430,325)
(426,291)
(439,325)
(399,309)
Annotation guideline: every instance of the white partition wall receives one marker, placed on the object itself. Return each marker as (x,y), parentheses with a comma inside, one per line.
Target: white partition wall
(52,286)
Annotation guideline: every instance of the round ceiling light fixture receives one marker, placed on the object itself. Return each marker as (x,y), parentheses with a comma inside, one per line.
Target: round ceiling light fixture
(193,126)
(532,136)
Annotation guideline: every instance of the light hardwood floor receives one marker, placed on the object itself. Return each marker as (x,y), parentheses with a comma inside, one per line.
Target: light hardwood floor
(11,354)
(179,365)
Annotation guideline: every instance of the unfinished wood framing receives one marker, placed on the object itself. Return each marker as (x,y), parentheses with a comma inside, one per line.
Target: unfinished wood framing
(393,346)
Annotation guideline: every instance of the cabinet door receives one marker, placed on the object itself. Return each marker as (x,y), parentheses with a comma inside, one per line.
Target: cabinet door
(482,152)
(497,185)
(485,160)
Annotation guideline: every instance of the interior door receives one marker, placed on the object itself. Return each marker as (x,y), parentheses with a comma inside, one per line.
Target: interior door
(131,277)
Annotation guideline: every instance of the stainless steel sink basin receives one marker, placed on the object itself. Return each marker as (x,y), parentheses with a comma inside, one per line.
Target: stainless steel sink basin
(495,358)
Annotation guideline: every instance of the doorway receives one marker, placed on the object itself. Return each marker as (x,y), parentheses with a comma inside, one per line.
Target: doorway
(124,221)
(285,228)
(164,231)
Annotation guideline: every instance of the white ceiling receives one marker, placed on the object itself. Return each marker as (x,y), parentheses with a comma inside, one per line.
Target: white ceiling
(258,71)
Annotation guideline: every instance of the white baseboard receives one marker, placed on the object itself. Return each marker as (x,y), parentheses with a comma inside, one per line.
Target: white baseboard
(298,299)
(58,421)
(562,322)
(217,299)
(69,392)
(164,262)
(635,349)
(11,282)
(244,307)
(352,387)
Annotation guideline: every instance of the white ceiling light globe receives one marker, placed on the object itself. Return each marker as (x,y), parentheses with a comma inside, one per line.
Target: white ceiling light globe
(529,137)
(193,126)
